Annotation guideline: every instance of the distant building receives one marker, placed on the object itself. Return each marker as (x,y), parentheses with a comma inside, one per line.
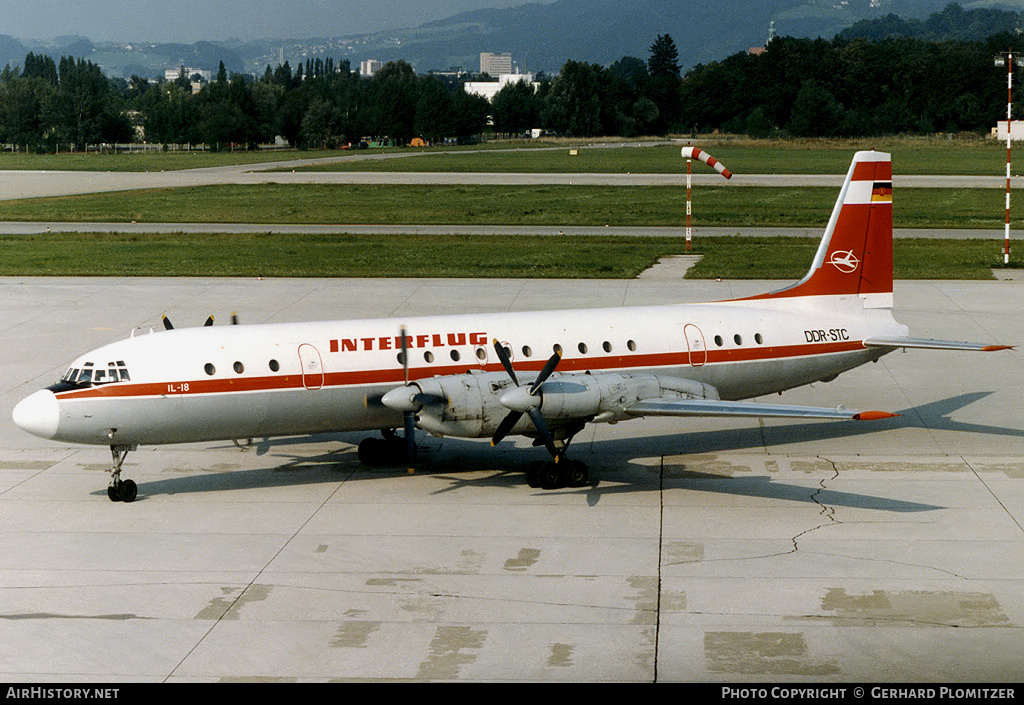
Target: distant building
(370,67)
(172,74)
(495,64)
(489,89)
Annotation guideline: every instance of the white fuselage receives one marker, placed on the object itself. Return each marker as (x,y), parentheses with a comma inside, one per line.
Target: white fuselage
(254,381)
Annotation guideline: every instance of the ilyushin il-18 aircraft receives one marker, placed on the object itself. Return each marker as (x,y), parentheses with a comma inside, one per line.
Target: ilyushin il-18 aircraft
(543,374)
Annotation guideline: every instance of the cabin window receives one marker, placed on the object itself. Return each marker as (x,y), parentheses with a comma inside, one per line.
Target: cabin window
(718,340)
(557,348)
(455,355)
(481,353)
(239,367)
(275,365)
(527,351)
(758,339)
(428,356)
(582,347)
(606,346)
(209,368)
(738,339)
(631,344)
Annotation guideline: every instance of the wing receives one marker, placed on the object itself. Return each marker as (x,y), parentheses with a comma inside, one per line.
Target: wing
(717,407)
(929,344)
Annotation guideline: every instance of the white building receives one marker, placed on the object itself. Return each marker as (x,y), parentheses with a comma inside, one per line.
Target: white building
(172,74)
(489,89)
(495,64)
(370,67)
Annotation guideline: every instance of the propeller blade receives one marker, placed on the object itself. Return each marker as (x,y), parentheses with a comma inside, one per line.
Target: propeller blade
(505,426)
(542,429)
(209,321)
(410,438)
(549,367)
(405,356)
(167,323)
(234,318)
(505,361)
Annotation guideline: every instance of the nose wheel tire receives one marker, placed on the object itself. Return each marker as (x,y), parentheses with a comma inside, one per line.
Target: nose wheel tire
(123,491)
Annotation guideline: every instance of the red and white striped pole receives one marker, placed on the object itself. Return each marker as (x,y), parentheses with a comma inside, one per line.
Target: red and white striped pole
(1009,139)
(1009,59)
(689,210)
(690,153)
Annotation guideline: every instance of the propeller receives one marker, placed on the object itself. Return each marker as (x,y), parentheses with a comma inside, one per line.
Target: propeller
(525,400)
(408,416)
(170,326)
(408,400)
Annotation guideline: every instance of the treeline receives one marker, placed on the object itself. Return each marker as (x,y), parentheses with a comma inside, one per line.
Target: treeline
(799,87)
(50,105)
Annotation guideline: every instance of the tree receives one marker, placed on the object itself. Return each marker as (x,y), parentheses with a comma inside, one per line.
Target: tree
(515,108)
(393,101)
(470,114)
(82,110)
(816,112)
(665,82)
(21,106)
(573,105)
(435,111)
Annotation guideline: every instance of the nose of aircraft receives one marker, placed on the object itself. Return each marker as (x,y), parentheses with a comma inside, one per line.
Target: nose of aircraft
(38,414)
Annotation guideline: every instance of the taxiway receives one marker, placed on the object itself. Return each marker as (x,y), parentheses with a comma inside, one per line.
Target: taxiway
(705,550)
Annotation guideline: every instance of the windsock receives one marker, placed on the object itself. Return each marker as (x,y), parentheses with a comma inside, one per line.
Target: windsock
(697,153)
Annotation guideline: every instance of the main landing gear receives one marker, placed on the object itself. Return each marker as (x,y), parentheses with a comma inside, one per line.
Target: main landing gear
(389,450)
(560,471)
(120,490)
(553,474)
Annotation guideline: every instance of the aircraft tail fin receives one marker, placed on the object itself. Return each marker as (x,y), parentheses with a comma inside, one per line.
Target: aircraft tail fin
(855,254)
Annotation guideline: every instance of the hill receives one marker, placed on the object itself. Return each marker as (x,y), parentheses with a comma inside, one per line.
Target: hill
(542,36)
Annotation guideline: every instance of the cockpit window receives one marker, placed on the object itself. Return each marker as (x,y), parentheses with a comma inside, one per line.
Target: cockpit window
(89,374)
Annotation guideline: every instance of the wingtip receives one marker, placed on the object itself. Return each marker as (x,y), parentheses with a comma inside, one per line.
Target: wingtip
(993,348)
(874,415)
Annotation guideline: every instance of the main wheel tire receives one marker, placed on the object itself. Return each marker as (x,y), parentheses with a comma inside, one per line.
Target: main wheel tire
(370,451)
(577,474)
(552,476)
(533,471)
(127,491)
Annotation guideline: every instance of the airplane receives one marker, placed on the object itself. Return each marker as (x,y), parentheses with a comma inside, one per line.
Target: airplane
(543,375)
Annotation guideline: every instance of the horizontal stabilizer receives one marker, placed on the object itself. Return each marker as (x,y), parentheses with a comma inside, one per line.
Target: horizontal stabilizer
(928,344)
(716,407)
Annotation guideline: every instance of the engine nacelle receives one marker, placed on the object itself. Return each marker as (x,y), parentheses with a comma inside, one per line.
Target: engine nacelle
(473,405)
(603,397)
(467,405)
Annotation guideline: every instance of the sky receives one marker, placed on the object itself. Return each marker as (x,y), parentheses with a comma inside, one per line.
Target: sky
(195,20)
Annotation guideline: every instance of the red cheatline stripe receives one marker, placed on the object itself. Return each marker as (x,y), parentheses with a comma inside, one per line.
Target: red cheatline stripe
(395,376)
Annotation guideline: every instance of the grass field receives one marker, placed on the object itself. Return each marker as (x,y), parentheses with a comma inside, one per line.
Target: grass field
(732,206)
(972,157)
(417,256)
(911,155)
(271,255)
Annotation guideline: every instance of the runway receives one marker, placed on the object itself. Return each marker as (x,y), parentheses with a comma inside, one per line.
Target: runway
(38,184)
(705,550)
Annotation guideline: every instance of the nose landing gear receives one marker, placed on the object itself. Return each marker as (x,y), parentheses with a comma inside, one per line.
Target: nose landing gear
(120,490)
